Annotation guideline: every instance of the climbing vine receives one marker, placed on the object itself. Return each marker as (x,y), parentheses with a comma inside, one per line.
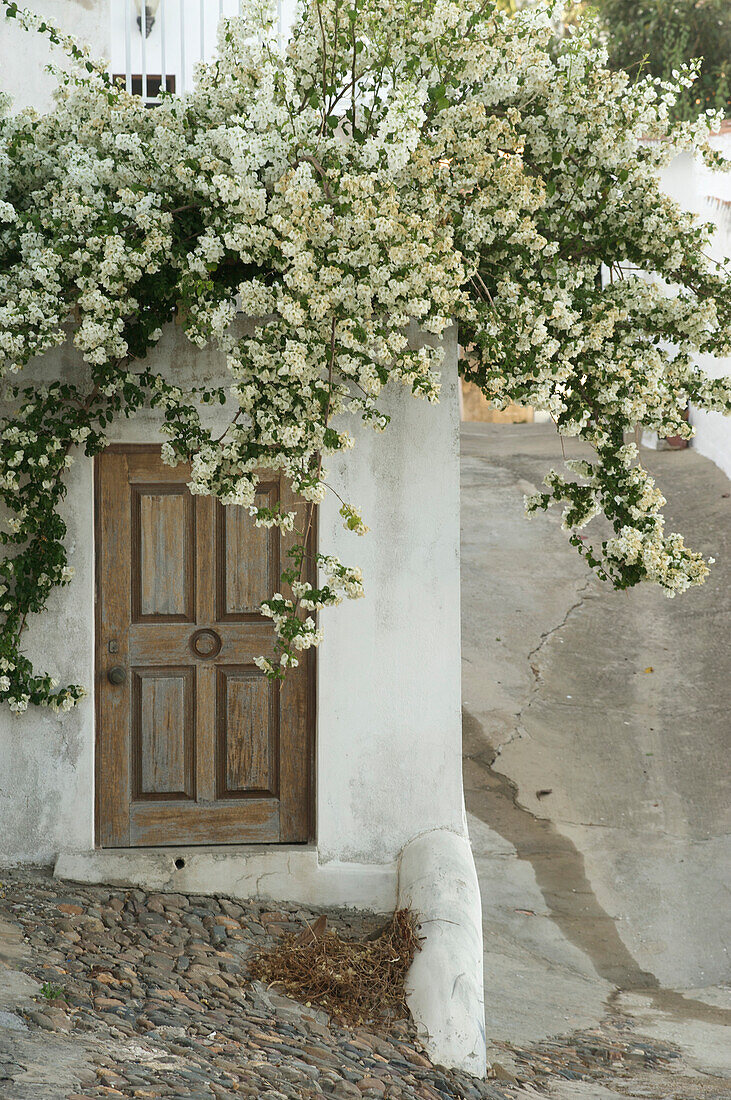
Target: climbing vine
(395,162)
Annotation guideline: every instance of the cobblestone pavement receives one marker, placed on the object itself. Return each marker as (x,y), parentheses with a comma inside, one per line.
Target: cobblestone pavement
(146,995)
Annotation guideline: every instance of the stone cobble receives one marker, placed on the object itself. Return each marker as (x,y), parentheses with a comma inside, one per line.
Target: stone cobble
(154,988)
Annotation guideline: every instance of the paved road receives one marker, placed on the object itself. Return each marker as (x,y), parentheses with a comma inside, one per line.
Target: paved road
(596,732)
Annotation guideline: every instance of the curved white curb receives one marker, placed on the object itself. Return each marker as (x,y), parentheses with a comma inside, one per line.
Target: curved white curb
(445,992)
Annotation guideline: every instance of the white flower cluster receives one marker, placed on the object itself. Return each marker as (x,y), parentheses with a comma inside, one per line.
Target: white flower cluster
(394,163)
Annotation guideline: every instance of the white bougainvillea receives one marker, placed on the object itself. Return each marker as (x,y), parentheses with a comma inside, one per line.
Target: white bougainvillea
(395,162)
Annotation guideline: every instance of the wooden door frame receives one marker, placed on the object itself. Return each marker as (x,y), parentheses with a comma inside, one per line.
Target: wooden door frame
(101,657)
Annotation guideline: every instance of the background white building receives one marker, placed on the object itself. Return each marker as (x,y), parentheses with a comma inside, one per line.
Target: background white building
(708,194)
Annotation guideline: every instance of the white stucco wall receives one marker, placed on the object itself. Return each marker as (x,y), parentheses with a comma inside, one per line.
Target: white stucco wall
(708,194)
(24,56)
(388,729)
(389,668)
(47,761)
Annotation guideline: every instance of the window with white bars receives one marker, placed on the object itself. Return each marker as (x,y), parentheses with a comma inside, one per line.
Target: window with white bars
(157,43)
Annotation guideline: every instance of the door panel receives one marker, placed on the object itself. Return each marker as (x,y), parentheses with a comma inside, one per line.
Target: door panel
(163,574)
(246,713)
(240,592)
(163,733)
(156,824)
(196,746)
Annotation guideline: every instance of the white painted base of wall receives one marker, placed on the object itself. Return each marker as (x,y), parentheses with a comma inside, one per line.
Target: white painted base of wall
(282,873)
(445,993)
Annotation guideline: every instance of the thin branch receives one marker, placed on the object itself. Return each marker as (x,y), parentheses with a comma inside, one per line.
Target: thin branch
(324,62)
(229,426)
(323,175)
(352,75)
(336,493)
(312,505)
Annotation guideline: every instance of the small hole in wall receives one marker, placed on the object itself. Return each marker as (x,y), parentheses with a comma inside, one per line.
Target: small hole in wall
(179,863)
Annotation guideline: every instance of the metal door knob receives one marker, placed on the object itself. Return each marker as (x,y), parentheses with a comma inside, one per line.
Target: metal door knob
(117,675)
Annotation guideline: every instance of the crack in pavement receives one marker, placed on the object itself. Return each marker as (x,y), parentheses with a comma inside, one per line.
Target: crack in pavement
(519,730)
(583,594)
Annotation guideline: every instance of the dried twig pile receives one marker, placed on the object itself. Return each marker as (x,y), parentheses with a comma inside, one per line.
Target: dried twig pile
(360,981)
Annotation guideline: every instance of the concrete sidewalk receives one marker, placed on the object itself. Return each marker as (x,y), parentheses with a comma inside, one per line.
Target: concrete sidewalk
(596,732)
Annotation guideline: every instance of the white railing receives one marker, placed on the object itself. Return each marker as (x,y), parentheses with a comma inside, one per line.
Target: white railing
(156,44)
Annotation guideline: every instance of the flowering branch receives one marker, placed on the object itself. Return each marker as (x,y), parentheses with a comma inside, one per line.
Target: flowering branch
(395,163)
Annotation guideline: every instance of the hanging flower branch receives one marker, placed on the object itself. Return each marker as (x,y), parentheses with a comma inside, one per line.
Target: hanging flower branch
(397,162)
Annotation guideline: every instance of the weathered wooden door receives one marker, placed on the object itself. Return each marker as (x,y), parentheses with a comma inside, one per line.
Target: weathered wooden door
(194,744)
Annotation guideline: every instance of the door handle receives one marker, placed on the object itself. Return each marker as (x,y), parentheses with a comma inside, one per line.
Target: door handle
(117,675)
